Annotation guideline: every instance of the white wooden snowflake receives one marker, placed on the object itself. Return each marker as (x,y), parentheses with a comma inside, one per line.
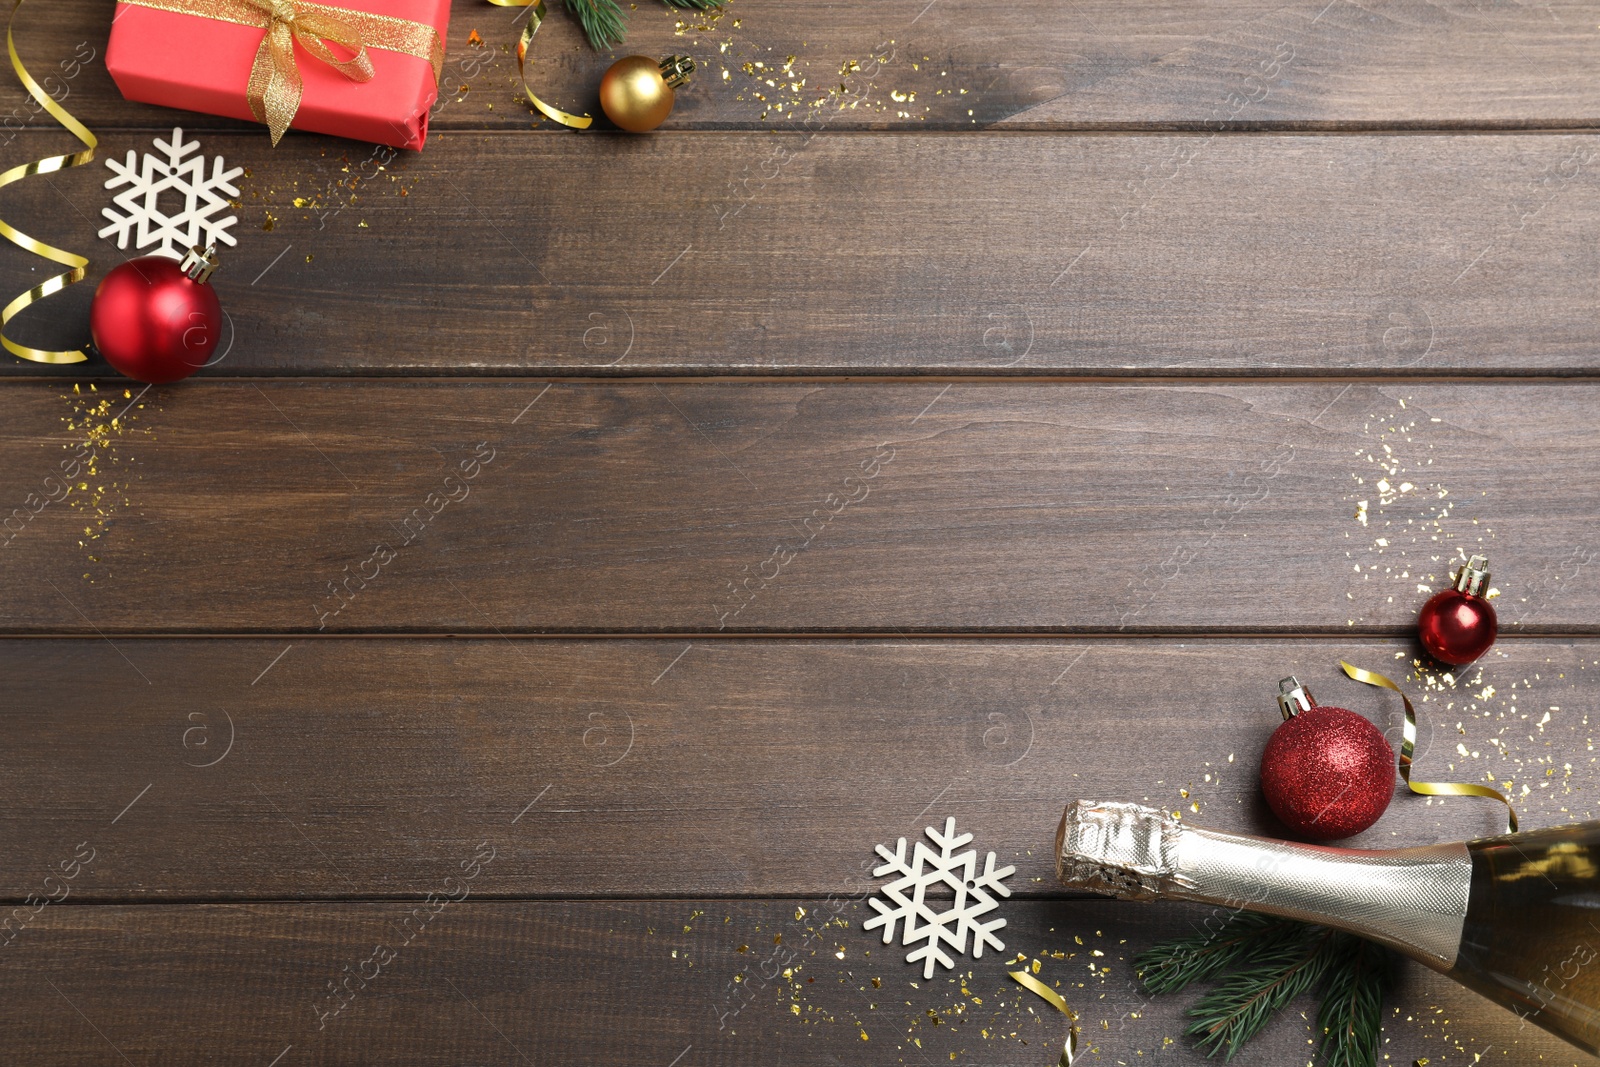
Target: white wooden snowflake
(973,898)
(195,223)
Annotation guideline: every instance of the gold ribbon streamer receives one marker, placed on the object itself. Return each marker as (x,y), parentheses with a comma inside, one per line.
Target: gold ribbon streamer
(1409,746)
(1069,1050)
(535,17)
(76,264)
(275,86)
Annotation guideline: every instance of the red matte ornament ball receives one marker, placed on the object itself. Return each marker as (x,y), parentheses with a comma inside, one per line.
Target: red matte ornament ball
(156,320)
(1456,627)
(1327,772)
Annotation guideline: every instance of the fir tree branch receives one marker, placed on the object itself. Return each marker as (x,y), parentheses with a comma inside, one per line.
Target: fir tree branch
(1352,1004)
(1266,962)
(601,21)
(1172,965)
(1239,1006)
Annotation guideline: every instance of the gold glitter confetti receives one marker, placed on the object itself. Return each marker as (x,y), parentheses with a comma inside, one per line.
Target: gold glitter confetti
(1416,536)
(99,421)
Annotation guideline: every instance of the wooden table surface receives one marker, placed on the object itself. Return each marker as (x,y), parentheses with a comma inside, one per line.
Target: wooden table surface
(956,410)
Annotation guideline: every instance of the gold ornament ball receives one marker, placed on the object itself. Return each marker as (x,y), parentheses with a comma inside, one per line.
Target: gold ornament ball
(637,92)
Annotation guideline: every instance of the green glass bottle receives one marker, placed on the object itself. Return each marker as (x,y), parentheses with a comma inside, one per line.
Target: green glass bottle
(1531,937)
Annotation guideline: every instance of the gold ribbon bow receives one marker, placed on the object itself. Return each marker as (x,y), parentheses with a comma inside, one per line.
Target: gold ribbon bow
(535,19)
(275,86)
(75,264)
(1408,748)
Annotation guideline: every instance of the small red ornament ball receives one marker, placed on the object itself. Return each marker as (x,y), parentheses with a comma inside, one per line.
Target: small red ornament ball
(1456,627)
(1327,772)
(156,320)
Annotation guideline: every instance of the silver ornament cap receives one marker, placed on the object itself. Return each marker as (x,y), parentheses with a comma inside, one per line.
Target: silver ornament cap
(1293,698)
(198,265)
(1473,578)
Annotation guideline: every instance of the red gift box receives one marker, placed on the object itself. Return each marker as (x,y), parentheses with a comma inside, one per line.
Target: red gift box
(177,58)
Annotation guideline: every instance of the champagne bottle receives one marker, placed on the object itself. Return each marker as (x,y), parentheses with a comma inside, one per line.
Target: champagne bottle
(1515,918)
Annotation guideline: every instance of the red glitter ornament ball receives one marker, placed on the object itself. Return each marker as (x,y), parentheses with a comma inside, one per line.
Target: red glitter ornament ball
(1327,772)
(157,320)
(1458,625)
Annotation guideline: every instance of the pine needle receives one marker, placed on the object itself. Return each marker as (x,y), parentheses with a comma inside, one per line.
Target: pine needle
(1352,1004)
(601,21)
(1261,964)
(1239,1006)
(1172,965)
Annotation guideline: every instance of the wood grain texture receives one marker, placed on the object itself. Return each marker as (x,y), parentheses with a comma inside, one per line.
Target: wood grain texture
(985,255)
(1032,63)
(647,983)
(316,769)
(262,811)
(791,507)
(1168,256)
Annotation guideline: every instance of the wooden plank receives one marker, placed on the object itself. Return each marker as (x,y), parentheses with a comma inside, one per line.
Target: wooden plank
(782,507)
(992,255)
(912,64)
(311,769)
(686,982)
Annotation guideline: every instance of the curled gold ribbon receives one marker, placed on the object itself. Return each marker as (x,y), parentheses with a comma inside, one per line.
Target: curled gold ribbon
(76,264)
(275,85)
(535,18)
(1409,746)
(1069,1050)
